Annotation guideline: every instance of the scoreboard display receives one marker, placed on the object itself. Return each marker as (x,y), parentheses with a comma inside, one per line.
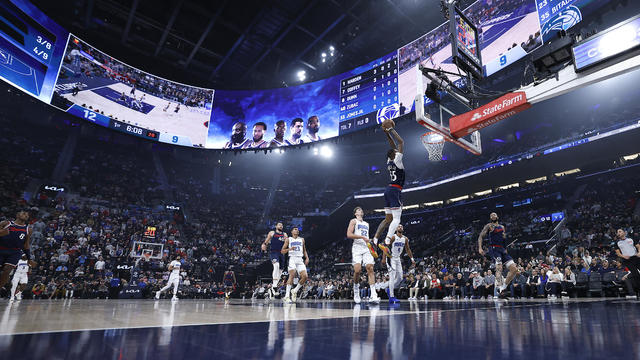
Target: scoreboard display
(31,48)
(370,96)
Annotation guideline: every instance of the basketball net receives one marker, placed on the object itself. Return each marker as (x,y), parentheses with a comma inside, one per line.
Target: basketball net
(434,143)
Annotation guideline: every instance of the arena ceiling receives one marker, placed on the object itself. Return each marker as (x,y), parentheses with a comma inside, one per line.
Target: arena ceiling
(245,44)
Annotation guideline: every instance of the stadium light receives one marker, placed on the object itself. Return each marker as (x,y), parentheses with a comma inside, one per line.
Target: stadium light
(326,152)
(302,75)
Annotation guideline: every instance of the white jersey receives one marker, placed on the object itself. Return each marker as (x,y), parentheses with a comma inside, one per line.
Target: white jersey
(398,246)
(627,248)
(22,268)
(361,229)
(176,267)
(297,247)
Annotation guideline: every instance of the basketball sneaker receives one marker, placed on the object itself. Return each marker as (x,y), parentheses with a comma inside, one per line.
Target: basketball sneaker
(375,299)
(356,298)
(393,300)
(373,251)
(384,249)
(157,295)
(286,300)
(294,295)
(174,298)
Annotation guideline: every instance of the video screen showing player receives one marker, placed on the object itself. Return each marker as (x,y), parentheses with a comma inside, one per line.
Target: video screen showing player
(258,141)
(238,136)
(313,127)
(280,129)
(94,80)
(297,125)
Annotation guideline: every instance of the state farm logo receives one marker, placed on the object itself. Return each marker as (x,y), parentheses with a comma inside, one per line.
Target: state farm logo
(491,113)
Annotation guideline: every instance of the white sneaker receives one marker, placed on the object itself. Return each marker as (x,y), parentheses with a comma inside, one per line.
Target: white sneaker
(294,296)
(19,296)
(157,295)
(374,300)
(286,300)
(175,298)
(356,299)
(11,299)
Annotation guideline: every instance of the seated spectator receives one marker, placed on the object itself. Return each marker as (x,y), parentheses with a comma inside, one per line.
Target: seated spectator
(569,283)
(555,279)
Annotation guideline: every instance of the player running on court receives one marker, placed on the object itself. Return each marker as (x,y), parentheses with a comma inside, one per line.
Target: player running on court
(398,243)
(14,241)
(498,249)
(358,231)
(275,238)
(392,194)
(296,249)
(174,279)
(20,278)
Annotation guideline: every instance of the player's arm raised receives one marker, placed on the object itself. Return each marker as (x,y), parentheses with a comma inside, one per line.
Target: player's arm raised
(407,248)
(351,234)
(398,140)
(4,229)
(483,233)
(285,246)
(267,241)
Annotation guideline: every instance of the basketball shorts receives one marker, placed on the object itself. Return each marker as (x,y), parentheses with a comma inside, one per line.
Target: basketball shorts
(228,283)
(174,279)
(10,257)
(277,257)
(392,198)
(297,264)
(20,279)
(395,270)
(361,255)
(500,255)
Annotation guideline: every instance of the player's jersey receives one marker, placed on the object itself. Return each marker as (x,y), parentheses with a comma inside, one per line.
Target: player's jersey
(16,237)
(496,236)
(294,142)
(277,241)
(310,139)
(396,171)
(228,277)
(361,229)
(277,143)
(253,145)
(297,247)
(22,268)
(230,145)
(398,246)
(176,267)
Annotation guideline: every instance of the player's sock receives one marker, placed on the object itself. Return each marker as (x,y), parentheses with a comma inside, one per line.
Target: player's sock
(375,241)
(297,288)
(356,289)
(288,290)
(13,290)
(374,294)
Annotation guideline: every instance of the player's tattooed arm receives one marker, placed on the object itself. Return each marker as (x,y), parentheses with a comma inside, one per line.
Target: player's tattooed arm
(285,246)
(483,233)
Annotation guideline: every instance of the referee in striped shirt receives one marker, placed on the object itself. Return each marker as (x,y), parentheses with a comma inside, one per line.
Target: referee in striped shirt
(630,255)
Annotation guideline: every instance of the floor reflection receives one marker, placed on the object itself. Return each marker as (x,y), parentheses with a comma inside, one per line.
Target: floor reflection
(591,330)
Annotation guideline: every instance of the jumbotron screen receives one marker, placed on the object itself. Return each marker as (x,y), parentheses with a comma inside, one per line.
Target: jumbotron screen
(38,56)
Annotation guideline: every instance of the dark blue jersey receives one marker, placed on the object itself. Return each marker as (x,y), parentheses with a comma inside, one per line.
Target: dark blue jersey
(396,171)
(16,237)
(277,241)
(497,237)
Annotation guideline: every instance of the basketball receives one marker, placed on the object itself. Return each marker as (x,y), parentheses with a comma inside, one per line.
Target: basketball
(388,124)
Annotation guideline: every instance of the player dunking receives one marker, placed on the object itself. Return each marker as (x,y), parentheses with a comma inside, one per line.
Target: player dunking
(296,249)
(361,253)
(392,194)
(276,238)
(14,241)
(398,243)
(498,249)
(174,279)
(19,278)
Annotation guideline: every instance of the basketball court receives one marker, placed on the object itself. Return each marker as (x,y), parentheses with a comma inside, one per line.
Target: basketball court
(591,328)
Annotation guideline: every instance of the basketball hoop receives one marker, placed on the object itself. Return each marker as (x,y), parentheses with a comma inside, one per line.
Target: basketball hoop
(434,143)
(146,256)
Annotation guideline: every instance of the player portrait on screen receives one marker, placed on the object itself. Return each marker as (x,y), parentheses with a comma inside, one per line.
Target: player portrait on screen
(238,136)
(258,141)
(296,132)
(280,129)
(313,126)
